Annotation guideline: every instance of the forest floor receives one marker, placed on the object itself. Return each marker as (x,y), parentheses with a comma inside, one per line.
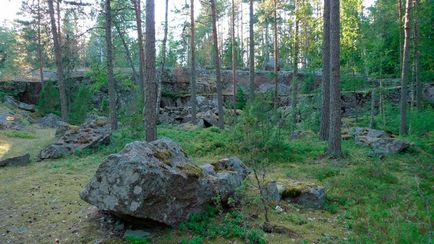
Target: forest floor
(368,199)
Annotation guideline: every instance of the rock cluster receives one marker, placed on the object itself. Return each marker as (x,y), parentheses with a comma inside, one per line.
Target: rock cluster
(305,194)
(380,141)
(207,115)
(90,135)
(157,182)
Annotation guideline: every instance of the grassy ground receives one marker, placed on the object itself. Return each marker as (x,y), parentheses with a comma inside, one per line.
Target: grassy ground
(369,200)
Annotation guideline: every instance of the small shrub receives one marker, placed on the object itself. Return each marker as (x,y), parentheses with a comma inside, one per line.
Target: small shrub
(49,99)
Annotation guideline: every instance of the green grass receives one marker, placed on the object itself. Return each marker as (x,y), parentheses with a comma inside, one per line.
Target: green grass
(18,134)
(368,200)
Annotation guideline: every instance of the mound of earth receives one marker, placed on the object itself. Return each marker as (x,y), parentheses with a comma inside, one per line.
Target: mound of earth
(157,182)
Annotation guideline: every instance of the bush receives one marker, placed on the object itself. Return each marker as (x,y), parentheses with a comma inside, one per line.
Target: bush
(81,105)
(49,101)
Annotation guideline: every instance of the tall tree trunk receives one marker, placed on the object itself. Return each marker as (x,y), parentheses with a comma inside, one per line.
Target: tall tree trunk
(334,149)
(405,71)
(163,60)
(151,89)
(110,79)
(416,57)
(137,11)
(241,34)
(325,99)
(127,53)
(276,59)
(193,100)
(217,65)
(295,73)
(234,58)
(267,44)
(59,66)
(401,32)
(41,59)
(59,31)
(252,54)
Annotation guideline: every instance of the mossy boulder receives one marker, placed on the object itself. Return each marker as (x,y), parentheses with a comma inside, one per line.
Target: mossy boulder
(306,194)
(157,182)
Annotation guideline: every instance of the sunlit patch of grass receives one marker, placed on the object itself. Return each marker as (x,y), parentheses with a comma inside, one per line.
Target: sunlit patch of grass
(40,138)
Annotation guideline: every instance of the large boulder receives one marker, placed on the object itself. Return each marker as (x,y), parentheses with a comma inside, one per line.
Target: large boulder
(90,135)
(305,194)
(380,141)
(157,182)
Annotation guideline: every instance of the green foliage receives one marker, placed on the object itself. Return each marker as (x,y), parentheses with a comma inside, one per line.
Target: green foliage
(205,225)
(258,132)
(97,77)
(353,83)
(136,240)
(81,105)
(241,98)
(49,99)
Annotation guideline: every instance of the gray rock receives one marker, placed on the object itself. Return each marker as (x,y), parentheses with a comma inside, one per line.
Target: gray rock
(389,145)
(27,107)
(380,141)
(156,181)
(208,169)
(90,135)
(428,93)
(312,197)
(50,120)
(12,102)
(271,192)
(16,161)
(305,194)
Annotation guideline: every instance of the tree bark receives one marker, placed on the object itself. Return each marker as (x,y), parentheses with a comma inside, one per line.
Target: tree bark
(137,11)
(41,59)
(295,73)
(163,60)
(325,99)
(234,58)
(276,59)
(252,54)
(59,66)
(405,70)
(193,65)
(416,57)
(217,64)
(110,79)
(151,89)
(401,33)
(334,149)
